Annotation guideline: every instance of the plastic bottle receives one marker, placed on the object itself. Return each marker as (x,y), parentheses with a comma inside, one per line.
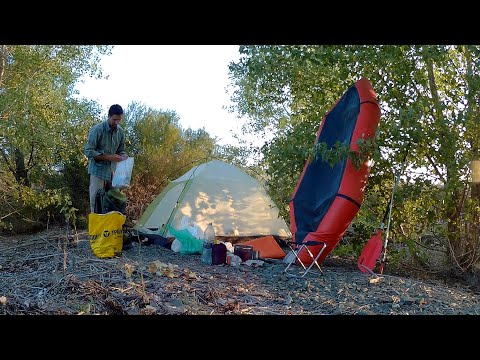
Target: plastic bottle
(207,253)
(208,241)
(209,234)
(233,260)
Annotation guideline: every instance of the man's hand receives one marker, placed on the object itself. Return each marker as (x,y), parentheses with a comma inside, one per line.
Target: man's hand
(117,158)
(111,157)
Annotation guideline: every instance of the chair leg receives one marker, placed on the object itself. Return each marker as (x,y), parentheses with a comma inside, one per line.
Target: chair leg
(295,257)
(305,269)
(314,262)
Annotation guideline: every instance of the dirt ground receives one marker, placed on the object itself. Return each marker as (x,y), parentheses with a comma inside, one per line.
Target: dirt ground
(55,273)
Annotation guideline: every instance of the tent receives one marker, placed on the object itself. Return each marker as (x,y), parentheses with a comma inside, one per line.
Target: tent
(219,193)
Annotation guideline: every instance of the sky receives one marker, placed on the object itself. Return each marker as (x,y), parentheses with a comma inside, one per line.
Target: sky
(189,79)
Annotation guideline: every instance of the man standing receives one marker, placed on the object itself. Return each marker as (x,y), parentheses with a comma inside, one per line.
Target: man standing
(105,144)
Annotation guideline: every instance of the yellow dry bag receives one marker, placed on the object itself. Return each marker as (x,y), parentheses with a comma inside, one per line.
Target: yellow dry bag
(105,232)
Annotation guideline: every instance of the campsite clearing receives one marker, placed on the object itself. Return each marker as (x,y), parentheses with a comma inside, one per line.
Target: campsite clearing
(45,274)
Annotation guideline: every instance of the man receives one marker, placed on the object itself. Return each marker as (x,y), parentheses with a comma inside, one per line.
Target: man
(105,145)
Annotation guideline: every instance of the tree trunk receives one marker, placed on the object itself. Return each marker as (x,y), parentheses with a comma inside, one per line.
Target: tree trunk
(472,226)
(21,174)
(474,231)
(475,193)
(453,226)
(3,61)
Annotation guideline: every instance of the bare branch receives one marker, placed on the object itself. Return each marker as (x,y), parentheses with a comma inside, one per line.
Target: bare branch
(30,159)
(436,168)
(5,157)
(429,247)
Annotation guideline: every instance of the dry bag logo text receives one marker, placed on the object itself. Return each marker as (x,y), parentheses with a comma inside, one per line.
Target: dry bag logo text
(106,234)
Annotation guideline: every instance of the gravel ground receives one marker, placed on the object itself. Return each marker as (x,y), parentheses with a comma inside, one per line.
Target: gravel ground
(50,273)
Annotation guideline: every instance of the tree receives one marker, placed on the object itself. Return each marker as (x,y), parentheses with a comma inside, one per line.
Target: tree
(42,123)
(429,96)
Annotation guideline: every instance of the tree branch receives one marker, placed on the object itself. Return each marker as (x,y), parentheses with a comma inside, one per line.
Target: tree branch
(429,247)
(436,168)
(419,94)
(3,61)
(433,85)
(30,159)
(470,97)
(5,157)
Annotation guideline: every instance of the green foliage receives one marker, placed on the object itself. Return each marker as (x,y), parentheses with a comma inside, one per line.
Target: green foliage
(23,205)
(41,116)
(345,250)
(429,96)
(339,151)
(160,145)
(43,130)
(240,156)
(43,125)
(75,181)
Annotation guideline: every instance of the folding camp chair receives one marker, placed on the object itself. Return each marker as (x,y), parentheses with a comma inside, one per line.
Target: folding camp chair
(295,249)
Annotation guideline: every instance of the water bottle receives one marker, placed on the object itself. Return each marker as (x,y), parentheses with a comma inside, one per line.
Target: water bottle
(207,253)
(208,241)
(209,234)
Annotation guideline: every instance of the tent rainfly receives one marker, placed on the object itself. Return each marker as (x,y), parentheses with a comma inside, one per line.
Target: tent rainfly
(218,193)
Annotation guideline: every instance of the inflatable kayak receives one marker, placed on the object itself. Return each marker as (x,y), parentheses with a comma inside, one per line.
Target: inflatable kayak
(326,199)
